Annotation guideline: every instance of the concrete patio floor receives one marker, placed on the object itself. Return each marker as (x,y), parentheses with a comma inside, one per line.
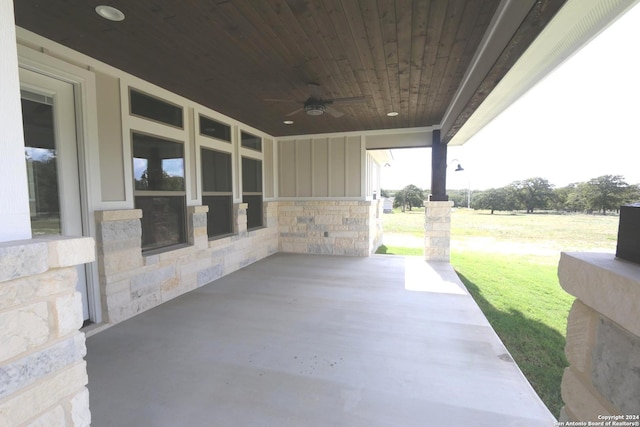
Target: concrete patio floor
(301,340)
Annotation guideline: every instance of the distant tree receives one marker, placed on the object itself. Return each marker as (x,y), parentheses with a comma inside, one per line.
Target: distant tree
(384,193)
(410,196)
(494,199)
(607,192)
(458,197)
(533,193)
(576,200)
(560,197)
(633,194)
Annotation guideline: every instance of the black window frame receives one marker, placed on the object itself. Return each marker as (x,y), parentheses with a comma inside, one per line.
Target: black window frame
(245,141)
(158,204)
(227,128)
(160,102)
(252,193)
(219,199)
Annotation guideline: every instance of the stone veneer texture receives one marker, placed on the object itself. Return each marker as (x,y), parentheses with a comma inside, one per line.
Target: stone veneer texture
(437,230)
(326,227)
(43,374)
(603,337)
(131,282)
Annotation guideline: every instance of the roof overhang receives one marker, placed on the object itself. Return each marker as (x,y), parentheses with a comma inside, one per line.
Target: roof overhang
(574,26)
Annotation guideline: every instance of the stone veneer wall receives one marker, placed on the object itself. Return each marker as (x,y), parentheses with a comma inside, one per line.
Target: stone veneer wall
(437,230)
(603,338)
(131,282)
(43,375)
(328,227)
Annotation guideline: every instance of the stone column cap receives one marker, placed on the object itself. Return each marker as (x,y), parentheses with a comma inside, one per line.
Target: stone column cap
(608,285)
(429,203)
(22,258)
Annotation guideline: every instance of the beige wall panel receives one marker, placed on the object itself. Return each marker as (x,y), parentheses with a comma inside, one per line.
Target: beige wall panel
(287,168)
(353,167)
(110,138)
(303,168)
(337,167)
(320,156)
(399,140)
(269,186)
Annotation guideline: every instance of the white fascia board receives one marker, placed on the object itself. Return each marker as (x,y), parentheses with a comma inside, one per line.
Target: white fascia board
(577,23)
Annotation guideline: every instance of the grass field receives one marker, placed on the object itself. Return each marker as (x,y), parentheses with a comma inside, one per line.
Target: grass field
(509,264)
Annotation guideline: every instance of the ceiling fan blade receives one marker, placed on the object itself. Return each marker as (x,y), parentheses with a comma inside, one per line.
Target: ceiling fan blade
(294,112)
(351,100)
(283,100)
(333,112)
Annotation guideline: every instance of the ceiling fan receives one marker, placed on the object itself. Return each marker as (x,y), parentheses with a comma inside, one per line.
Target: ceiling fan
(315,105)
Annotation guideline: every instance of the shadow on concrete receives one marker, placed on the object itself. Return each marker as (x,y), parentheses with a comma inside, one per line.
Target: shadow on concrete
(537,349)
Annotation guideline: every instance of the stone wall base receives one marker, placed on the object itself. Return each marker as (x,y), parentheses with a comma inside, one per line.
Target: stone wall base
(325,227)
(131,282)
(43,374)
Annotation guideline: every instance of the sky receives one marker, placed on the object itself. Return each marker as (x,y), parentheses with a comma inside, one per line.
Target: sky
(578,123)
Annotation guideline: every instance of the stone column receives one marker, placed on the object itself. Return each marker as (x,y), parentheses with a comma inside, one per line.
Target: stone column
(437,230)
(43,375)
(603,337)
(240,219)
(197,216)
(119,259)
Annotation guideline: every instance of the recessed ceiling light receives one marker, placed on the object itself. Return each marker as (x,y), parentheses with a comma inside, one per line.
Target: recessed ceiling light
(392,113)
(288,122)
(110,13)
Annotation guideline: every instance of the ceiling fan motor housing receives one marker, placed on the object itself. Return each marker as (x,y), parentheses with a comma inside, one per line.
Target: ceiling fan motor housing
(314,107)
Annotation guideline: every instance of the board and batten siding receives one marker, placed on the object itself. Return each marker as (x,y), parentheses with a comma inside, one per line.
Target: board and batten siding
(321,167)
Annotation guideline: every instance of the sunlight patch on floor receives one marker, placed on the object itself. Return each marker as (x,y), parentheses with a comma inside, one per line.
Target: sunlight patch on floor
(421,276)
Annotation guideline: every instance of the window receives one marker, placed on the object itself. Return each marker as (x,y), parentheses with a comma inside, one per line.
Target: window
(252,191)
(251,141)
(217,191)
(215,129)
(158,167)
(153,108)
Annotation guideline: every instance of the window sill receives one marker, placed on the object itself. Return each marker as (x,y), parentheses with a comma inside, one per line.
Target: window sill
(164,249)
(220,237)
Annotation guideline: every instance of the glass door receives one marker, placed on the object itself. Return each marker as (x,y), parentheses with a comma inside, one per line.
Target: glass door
(51,154)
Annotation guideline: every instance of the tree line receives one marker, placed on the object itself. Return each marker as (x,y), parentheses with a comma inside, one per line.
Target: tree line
(601,194)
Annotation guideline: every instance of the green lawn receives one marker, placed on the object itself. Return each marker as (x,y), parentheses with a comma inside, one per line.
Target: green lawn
(509,264)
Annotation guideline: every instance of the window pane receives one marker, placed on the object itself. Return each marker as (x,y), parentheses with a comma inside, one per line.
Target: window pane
(251,141)
(215,129)
(254,211)
(155,109)
(42,172)
(216,170)
(220,215)
(158,164)
(251,175)
(163,220)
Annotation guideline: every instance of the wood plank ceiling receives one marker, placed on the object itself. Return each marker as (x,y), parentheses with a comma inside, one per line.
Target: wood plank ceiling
(402,55)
